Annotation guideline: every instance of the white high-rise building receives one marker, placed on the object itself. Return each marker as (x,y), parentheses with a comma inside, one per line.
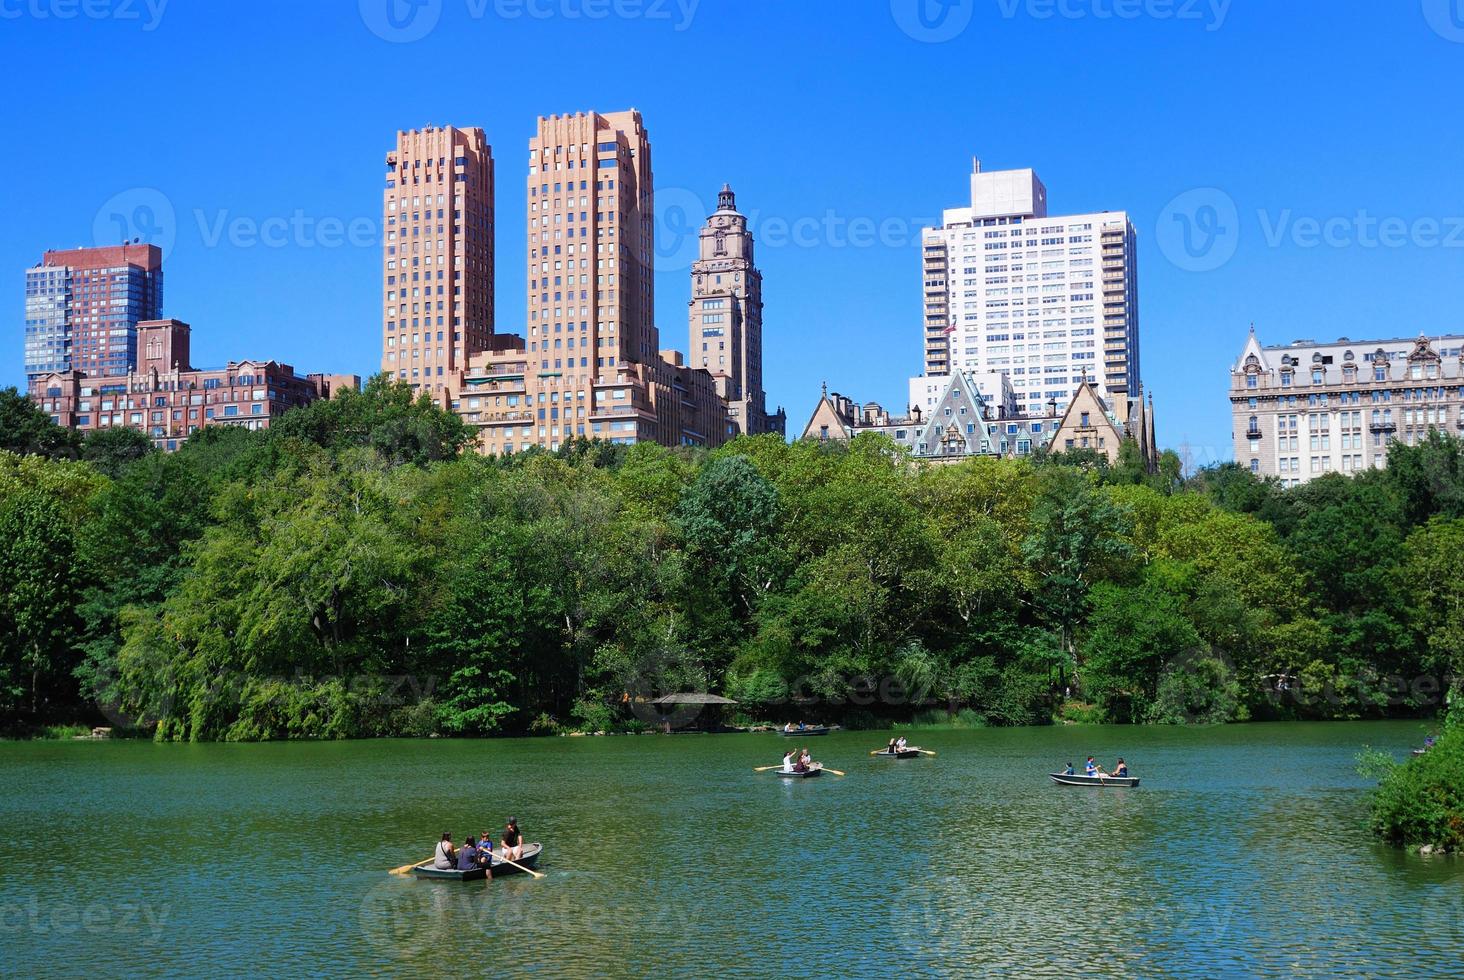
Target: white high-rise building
(1048,301)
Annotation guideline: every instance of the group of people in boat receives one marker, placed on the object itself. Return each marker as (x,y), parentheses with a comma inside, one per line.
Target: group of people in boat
(897,745)
(790,727)
(1092,768)
(477,852)
(798,760)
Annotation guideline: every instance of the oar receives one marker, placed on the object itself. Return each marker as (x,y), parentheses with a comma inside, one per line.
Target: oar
(834,771)
(926,751)
(406,867)
(766,768)
(536,874)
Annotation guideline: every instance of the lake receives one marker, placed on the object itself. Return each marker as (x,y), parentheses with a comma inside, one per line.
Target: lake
(1243,853)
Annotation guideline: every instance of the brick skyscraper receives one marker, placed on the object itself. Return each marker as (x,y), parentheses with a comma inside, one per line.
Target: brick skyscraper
(437,256)
(83,305)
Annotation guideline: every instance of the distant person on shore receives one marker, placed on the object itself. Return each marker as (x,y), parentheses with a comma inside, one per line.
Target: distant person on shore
(467,858)
(512,840)
(1120,769)
(444,858)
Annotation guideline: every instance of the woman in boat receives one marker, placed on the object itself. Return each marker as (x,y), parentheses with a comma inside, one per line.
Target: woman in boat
(512,840)
(468,854)
(1120,769)
(788,761)
(800,764)
(444,858)
(1069,770)
(900,744)
(891,747)
(805,760)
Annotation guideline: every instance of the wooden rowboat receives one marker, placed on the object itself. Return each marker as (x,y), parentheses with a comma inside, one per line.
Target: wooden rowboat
(904,754)
(799,732)
(1077,779)
(795,774)
(529,860)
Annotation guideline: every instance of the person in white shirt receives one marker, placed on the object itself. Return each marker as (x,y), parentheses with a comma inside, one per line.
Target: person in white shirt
(445,857)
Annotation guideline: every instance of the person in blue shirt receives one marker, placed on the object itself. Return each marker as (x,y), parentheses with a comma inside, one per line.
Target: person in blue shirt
(1091,768)
(485,852)
(1069,770)
(468,855)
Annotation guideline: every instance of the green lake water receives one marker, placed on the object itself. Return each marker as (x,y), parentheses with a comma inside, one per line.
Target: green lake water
(1243,853)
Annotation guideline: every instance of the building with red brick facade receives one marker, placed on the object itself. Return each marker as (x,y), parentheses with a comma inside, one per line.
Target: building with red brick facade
(169,399)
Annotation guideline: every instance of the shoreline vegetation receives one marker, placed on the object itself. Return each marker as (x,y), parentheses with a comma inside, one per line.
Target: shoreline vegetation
(1419,802)
(357,570)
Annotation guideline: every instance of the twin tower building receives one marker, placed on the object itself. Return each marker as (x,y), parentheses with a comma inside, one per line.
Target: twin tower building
(590,362)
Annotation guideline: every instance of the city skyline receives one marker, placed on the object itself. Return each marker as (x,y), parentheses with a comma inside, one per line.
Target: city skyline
(1331,242)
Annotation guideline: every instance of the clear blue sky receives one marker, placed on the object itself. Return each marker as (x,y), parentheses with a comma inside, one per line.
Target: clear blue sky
(833,120)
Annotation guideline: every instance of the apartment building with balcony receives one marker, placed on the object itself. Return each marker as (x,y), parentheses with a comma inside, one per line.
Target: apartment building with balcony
(1305,409)
(1051,301)
(590,363)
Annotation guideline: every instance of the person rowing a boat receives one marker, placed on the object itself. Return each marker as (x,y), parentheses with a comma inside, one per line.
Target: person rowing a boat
(444,858)
(513,840)
(900,744)
(1092,768)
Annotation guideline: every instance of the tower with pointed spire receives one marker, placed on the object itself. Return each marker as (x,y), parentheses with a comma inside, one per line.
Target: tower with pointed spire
(725,317)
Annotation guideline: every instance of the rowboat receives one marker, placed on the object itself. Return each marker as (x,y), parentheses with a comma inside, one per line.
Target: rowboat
(529,860)
(901,754)
(795,774)
(800,732)
(1064,779)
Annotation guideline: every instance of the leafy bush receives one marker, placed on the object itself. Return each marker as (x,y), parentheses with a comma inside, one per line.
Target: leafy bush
(1421,802)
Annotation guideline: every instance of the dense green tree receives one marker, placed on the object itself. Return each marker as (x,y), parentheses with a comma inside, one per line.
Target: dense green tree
(1078,536)
(27,430)
(112,450)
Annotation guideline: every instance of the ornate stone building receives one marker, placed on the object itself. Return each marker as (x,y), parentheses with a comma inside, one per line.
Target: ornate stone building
(726,318)
(1305,409)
